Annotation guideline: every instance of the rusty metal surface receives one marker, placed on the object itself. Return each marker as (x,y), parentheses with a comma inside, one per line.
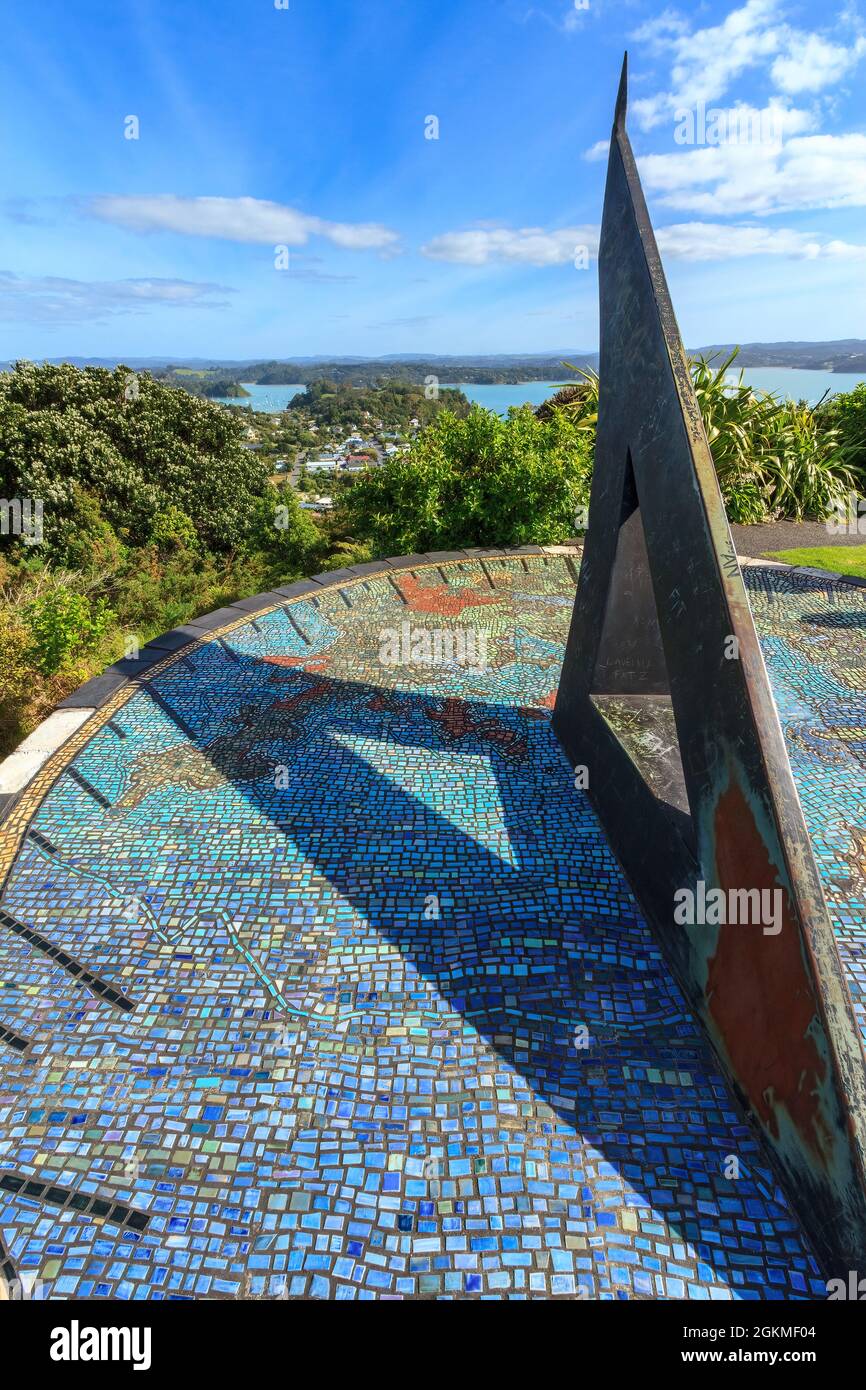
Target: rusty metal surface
(775,1004)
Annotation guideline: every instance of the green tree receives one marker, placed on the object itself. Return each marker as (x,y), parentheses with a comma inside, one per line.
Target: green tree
(286,534)
(134,444)
(480,480)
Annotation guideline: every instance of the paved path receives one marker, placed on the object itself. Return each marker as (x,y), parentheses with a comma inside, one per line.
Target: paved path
(788,535)
(397,1026)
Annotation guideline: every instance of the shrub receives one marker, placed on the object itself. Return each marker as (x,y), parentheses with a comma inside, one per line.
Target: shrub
(16,678)
(773,458)
(846,413)
(805,471)
(283,533)
(745,501)
(577,399)
(64,624)
(172,529)
(480,480)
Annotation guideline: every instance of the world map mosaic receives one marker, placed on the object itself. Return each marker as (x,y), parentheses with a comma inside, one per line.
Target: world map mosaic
(319,979)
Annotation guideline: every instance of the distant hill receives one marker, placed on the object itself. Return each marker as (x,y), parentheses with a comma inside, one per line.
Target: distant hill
(198,374)
(415,370)
(841,355)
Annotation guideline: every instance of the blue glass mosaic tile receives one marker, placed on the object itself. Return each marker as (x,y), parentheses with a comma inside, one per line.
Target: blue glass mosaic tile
(353,1000)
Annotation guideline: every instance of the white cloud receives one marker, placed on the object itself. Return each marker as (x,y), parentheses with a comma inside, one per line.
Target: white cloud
(237,219)
(756,160)
(664,27)
(705,61)
(504,246)
(812,63)
(54,299)
(709,241)
(807,172)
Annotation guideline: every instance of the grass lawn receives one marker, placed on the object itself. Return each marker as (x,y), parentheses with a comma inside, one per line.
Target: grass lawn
(841,559)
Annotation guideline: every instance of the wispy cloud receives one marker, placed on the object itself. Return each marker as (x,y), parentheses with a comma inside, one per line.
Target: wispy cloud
(756,160)
(566,16)
(504,246)
(24,212)
(575,15)
(302,267)
(53,299)
(252,220)
(704,61)
(413,321)
(684,241)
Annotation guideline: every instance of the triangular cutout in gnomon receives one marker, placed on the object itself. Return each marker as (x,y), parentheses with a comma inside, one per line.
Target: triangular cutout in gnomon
(630,686)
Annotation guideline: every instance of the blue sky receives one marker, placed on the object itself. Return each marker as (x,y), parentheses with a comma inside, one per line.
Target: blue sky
(305,128)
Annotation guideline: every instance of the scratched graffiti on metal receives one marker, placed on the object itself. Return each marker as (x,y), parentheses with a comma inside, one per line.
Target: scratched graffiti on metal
(660,598)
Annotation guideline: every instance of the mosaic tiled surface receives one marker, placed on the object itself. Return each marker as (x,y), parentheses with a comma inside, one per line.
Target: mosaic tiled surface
(813,635)
(318,978)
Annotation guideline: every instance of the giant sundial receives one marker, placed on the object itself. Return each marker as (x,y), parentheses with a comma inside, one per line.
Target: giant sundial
(321,975)
(354,999)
